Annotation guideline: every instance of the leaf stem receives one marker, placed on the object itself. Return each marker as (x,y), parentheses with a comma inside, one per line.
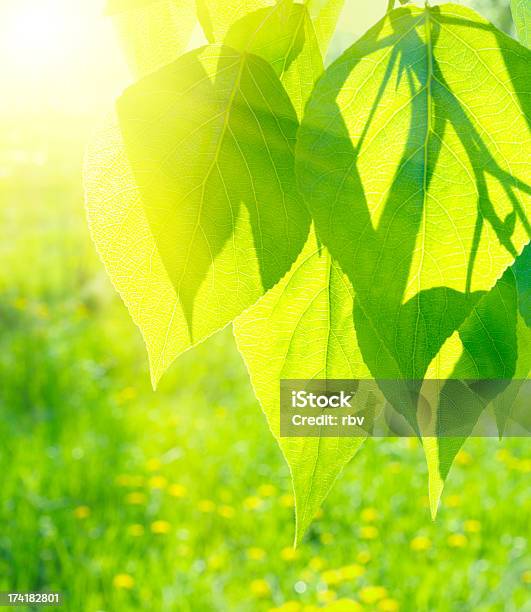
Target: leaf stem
(390,6)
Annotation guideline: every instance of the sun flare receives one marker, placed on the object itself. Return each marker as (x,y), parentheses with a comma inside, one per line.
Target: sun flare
(39,37)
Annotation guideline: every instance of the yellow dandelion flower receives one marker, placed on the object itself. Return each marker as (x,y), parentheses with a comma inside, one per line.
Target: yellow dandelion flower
(369,515)
(131,481)
(216,562)
(123,581)
(157,482)
(177,490)
(255,553)
(183,550)
(174,420)
(457,540)
(395,467)
(82,512)
(253,503)
(42,311)
(136,530)
(372,594)
(503,455)
(260,588)
(160,527)
(524,465)
(463,458)
(388,605)
(420,543)
(289,554)
(153,464)
(344,605)
(453,501)
(332,577)
(327,538)
(526,577)
(316,564)
(364,556)
(287,501)
(226,512)
(351,572)
(82,312)
(311,608)
(136,498)
(123,480)
(220,412)
(206,506)
(288,606)
(369,533)
(126,395)
(20,303)
(326,597)
(472,526)
(267,490)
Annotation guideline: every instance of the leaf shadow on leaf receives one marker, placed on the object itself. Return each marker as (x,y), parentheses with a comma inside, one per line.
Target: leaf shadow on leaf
(210,152)
(268,32)
(399,338)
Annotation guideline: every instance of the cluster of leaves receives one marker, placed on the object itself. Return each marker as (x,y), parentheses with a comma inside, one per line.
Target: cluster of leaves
(362,220)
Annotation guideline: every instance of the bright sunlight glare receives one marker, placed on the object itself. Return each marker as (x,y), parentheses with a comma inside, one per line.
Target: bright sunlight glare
(39,36)
(58,53)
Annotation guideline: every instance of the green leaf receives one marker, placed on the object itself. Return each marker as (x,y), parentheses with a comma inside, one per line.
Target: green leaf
(413,157)
(485,348)
(294,55)
(209,140)
(303,329)
(325,15)
(218,16)
(153,32)
(521,10)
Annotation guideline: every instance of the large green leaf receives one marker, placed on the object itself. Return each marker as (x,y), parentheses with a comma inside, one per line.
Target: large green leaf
(209,140)
(303,329)
(153,32)
(484,348)
(294,55)
(217,16)
(413,157)
(325,15)
(521,10)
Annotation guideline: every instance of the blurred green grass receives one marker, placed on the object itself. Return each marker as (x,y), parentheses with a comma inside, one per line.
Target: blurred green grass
(126,499)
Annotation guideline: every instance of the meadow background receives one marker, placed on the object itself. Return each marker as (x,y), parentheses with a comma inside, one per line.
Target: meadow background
(125,499)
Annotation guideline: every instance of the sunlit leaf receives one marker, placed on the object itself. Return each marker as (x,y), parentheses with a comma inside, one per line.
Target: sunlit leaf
(209,140)
(484,348)
(284,36)
(413,157)
(217,16)
(303,329)
(153,32)
(521,10)
(325,15)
